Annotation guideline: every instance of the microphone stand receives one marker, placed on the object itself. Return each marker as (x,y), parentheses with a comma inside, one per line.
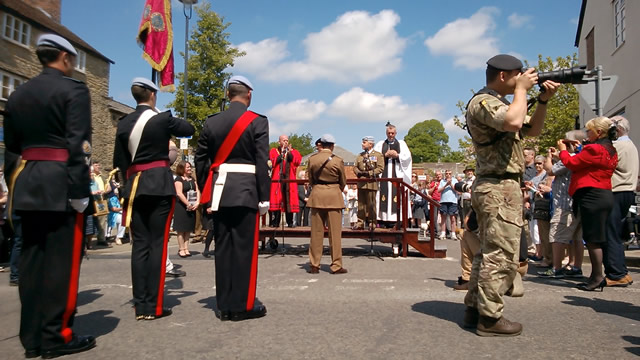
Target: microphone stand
(372,252)
(273,242)
(282,204)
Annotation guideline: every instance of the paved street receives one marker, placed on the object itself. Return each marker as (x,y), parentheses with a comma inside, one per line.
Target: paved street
(402,308)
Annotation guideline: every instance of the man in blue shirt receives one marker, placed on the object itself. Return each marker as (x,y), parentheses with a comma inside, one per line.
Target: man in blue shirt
(448,203)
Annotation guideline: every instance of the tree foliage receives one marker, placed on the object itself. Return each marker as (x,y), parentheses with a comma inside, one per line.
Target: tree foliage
(562,110)
(428,142)
(303,143)
(210,54)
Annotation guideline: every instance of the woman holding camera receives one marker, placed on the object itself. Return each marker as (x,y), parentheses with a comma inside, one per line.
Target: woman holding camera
(184,217)
(590,188)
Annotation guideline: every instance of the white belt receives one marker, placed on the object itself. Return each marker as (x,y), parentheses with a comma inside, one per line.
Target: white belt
(223,169)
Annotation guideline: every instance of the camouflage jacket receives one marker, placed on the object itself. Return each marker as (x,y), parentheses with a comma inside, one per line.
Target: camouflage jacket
(485,119)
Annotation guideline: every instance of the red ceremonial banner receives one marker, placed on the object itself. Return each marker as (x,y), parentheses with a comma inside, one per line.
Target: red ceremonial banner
(155,35)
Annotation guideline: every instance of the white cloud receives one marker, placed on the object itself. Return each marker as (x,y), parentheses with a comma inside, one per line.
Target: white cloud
(264,54)
(574,21)
(358,105)
(517,21)
(297,111)
(453,130)
(358,46)
(470,41)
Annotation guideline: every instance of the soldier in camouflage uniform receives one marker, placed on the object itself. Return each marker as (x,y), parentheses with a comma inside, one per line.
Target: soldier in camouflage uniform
(497,128)
(369,165)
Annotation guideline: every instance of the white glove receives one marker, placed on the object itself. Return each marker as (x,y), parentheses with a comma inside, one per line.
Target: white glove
(263,207)
(79,205)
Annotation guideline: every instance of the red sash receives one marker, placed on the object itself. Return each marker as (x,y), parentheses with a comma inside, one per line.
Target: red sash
(135,168)
(225,149)
(45,154)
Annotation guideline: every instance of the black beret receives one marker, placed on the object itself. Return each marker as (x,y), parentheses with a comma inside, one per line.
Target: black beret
(505,62)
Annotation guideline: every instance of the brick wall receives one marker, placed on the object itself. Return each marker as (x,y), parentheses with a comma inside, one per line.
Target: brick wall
(23,62)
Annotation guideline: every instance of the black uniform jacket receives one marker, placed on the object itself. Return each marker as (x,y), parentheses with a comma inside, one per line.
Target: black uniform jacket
(240,189)
(154,145)
(53,111)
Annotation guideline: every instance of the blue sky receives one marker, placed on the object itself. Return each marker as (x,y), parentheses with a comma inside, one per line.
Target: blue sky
(346,67)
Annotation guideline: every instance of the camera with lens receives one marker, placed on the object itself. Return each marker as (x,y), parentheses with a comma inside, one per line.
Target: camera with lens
(462,187)
(572,75)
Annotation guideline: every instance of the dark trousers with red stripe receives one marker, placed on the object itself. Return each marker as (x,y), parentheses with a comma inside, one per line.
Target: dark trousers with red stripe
(150,222)
(49,273)
(236,258)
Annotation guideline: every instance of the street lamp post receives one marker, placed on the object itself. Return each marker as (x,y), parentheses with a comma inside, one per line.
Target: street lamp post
(187,9)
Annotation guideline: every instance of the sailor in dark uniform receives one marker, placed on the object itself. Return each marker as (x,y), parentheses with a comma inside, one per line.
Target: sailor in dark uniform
(49,124)
(141,154)
(238,167)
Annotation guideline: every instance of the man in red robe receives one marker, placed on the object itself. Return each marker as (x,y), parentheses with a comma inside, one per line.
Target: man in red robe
(284,196)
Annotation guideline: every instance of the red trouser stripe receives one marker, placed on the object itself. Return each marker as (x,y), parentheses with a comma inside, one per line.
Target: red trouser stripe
(254,266)
(72,295)
(163,266)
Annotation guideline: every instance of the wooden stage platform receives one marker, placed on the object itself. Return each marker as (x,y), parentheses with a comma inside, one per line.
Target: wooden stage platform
(404,238)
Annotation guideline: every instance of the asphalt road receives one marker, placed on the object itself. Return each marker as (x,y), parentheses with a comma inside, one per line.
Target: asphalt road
(401,308)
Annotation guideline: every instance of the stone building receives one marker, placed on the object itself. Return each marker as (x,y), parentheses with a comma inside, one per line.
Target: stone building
(23,21)
(608,36)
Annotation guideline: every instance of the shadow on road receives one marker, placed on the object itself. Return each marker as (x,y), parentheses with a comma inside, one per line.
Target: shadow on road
(566,282)
(618,308)
(172,297)
(209,303)
(88,296)
(444,310)
(634,340)
(447,282)
(96,323)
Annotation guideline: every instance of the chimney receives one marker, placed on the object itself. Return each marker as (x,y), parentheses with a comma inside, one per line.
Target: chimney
(50,7)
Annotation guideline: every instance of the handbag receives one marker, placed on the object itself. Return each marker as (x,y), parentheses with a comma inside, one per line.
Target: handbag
(541,209)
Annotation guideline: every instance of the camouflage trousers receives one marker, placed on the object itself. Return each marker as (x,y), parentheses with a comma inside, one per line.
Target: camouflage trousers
(498,204)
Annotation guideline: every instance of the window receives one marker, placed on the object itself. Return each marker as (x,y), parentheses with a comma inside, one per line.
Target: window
(9,84)
(619,21)
(16,30)
(591,56)
(81,61)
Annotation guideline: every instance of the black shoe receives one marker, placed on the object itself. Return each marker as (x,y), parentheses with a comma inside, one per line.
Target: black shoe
(257,312)
(165,312)
(30,354)
(223,315)
(593,286)
(176,273)
(207,253)
(76,345)
(14,282)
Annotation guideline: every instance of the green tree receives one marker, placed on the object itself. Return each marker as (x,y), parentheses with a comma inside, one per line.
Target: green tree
(303,143)
(428,141)
(561,110)
(210,54)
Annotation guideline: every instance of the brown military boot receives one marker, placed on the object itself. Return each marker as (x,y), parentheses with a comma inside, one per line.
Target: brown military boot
(470,318)
(461,287)
(488,326)
(523,268)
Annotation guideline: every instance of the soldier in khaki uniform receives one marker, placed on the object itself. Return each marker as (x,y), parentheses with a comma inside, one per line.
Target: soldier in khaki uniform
(497,128)
(369,165)
(327,178)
